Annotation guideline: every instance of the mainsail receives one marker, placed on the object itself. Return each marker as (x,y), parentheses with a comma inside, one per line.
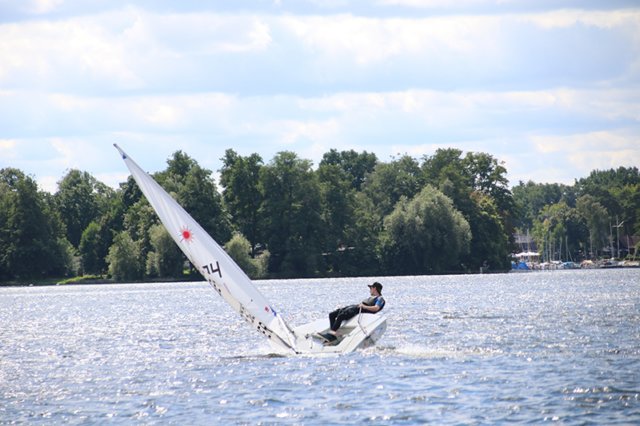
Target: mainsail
(215,265)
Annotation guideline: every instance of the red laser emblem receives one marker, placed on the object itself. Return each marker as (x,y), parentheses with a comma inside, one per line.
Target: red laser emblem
(186,234)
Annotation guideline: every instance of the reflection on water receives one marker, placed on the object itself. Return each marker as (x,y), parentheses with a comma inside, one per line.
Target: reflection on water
(548,346)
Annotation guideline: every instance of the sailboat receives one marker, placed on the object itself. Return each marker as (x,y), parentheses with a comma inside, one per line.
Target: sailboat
(236,288)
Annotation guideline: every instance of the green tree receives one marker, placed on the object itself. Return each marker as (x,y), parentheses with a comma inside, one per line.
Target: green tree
(109,224)
(90,253)
(124,259)
(338,216)
(240,178)
(530,198)
(391,181)
(356,165)
(478,187)
(596,218)
(628,198)
(365,256)
(489,242)
(196,192)
(138,221)
(425,235)
(200,197)
(239,249)
(488,176)
(617,191)
(291,211)
(445,171)
(77,202)
(32,242)
(560,232)
(166,260)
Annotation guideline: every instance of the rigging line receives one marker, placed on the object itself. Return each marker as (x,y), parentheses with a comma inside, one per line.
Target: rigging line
(360,323)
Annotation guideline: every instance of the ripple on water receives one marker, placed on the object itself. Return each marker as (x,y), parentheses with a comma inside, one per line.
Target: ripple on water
(458,350)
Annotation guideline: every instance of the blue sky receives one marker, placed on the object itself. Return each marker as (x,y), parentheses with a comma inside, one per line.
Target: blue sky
(551,88)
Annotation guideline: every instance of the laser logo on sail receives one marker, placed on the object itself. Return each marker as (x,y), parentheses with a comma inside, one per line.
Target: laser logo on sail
(186,234)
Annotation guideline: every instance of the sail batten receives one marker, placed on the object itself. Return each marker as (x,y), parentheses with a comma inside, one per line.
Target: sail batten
(212,261)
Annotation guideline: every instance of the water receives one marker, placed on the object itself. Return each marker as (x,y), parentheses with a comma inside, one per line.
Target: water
(518,348)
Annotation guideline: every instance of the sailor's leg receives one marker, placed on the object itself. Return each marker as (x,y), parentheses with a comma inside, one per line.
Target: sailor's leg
(343,315)
(332,318)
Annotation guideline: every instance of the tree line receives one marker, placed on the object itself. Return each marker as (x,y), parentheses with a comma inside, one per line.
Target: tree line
(353,215)
(587,220)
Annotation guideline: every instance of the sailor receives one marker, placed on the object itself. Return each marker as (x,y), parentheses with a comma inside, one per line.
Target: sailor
(371,305)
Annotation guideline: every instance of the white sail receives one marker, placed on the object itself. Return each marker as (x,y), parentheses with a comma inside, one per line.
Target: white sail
(215,265)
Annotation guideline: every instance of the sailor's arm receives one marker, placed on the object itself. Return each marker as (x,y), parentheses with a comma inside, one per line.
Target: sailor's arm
(373,309)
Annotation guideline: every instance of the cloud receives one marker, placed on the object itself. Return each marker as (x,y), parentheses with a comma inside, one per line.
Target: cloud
(7,146)
(125,49)
(390,77)
(135,49)
(610,19)
(76,51)
(369,42)
(410,121)
(40,7)
(593,150)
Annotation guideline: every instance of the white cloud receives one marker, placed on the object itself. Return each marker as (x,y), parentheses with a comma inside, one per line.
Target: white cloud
(586,142)
(113,179)
(599,19)
(594,150)
(125,49)
(77,49)
(460,4)
(41,6)
(205,81)
(7,146)
(48,183)
(370,41)
(133,49)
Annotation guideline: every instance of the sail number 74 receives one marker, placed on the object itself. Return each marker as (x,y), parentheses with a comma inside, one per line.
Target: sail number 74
(211,269)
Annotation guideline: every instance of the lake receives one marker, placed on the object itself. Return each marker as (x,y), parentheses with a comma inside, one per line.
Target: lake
(541,347)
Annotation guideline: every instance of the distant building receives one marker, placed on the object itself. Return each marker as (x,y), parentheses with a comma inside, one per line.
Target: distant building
(525,242)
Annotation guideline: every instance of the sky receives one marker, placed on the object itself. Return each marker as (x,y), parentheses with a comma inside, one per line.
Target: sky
(551,88)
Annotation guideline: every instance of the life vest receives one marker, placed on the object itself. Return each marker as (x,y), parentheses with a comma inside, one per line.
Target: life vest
(373,301)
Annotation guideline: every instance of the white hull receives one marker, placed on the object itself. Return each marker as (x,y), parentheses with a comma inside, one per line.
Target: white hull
(359,332)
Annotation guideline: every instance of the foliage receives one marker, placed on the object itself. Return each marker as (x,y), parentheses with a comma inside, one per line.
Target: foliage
(581,221)
(82,279)
(530,198)
(92,262)
(618,191)
(239,249)
(124,259)
(352,216)
(195,190)
(291,212)
(596,218)
(389,182)
(165,260)
(80,200)
(337,200)
(489,240)
(240,177)
(32,242)
(425,235)
(553,227)
(477,185)
(357,166)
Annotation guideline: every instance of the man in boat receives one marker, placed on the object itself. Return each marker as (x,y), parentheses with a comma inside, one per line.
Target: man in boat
(371,305)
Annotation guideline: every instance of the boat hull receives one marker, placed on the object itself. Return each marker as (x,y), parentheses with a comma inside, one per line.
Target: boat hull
(359,332)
